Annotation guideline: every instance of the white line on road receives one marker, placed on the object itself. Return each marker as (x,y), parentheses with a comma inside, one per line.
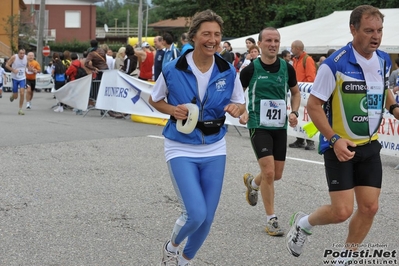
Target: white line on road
(156,137)
(307,161)
(291,158)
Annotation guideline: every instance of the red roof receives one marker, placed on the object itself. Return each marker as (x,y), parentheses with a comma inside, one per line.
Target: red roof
(180,22)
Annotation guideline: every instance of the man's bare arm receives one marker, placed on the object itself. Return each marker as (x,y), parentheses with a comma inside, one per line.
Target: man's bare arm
(10,62)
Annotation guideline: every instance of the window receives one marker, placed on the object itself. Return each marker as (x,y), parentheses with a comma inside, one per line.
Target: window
(72,19)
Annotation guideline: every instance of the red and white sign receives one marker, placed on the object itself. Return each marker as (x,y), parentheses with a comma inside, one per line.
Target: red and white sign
(46,50)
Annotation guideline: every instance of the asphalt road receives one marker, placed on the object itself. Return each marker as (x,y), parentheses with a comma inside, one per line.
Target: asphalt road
(89,191)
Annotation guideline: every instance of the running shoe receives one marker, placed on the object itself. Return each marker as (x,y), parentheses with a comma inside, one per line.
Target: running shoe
(251,194)
(11,98)
(297,236)
(169,258)
(299,143)
(20,112)
(59,109)
(310,145)
(273,229)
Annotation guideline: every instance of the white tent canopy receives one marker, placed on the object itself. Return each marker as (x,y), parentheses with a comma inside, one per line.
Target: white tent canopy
(328,32)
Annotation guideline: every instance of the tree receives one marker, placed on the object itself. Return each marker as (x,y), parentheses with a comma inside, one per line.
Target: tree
(19,32)
(245,17)
(107,13)
(11,27)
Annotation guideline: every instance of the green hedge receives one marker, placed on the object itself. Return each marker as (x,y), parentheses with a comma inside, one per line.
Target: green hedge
(79,46)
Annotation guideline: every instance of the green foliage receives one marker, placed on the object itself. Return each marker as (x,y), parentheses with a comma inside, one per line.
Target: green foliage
(78,46)
(114,13)
(181,8)
(349,5)
(115,46)
(292,13)
(72,46)
(11,28)
(241,17)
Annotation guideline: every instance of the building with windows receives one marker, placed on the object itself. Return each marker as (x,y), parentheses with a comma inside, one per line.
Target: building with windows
(9,11)
(65,20)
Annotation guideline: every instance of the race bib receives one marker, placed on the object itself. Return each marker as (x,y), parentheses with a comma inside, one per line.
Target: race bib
(273,113)
(21,73)
(29,70)
(375,92)
(375,102)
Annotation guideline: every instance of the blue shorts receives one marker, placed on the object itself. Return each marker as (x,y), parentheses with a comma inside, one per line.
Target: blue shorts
(18,84)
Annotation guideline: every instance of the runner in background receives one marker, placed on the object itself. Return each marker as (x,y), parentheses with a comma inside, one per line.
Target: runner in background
(32,68)
(17,65)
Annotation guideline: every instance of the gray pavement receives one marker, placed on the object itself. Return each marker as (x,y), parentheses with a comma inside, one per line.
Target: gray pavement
(92,191)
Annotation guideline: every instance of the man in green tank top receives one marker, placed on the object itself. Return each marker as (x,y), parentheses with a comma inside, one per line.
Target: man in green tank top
(269,79)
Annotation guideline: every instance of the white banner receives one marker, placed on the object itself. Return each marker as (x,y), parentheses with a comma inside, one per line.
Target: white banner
(43,81)
(75,93)
(8,81)
(125,94)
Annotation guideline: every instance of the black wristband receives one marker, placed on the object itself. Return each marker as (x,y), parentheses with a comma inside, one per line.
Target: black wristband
(393,106)
(333,140)
(295,113)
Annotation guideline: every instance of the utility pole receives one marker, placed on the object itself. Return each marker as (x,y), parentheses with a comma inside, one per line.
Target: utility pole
(39,47)
(146,22)
(128,23)
(140,22)
(12,39)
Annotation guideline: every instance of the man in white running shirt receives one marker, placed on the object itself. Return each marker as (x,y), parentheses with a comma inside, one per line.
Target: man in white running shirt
(17,65)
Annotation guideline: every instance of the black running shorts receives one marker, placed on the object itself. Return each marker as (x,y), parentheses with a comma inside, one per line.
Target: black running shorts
(31,83)
(364,169)
(269,142)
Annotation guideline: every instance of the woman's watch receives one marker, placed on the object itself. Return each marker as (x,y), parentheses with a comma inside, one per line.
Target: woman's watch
(295,113)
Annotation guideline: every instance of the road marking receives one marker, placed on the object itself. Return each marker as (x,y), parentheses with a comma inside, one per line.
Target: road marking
(291,158)
(303,160)
(156,137)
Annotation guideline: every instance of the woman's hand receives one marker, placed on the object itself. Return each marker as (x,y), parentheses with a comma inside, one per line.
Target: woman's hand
(180,112)
(233,109)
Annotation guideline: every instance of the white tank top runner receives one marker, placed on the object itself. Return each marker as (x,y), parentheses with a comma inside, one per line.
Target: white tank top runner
(20,65)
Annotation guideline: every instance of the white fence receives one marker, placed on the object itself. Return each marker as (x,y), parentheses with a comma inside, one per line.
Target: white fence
(43,82)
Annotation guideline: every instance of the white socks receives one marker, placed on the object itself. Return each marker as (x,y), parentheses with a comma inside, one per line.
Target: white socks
(304,223)
(183,261)
(254,185)
(172,248)
(268,217)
